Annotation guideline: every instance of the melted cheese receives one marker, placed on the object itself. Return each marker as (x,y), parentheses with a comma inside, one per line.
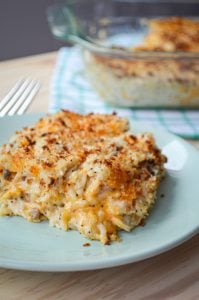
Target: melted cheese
(86,173)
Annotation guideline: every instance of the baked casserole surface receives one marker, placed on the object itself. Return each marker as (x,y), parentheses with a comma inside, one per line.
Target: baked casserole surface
(81,172)
(153,80)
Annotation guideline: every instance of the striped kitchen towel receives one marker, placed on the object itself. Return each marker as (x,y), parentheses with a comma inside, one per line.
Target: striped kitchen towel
(71,90)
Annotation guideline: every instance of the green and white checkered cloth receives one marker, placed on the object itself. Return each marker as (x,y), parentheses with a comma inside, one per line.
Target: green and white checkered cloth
(71,90)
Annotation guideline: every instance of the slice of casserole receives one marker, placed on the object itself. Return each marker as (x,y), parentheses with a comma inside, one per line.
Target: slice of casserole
(82,172)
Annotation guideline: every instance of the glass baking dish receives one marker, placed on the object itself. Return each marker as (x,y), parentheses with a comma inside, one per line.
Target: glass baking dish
(109,31)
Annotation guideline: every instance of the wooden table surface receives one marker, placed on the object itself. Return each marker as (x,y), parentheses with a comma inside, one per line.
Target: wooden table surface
(172,275)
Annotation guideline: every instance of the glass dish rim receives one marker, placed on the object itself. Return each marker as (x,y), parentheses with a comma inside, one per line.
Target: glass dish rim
(122,52)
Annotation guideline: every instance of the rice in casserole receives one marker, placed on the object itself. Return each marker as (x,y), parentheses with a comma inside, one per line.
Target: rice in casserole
(151,82)
(81,172)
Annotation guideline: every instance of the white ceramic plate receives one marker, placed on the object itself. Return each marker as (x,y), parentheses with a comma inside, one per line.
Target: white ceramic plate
(174,218)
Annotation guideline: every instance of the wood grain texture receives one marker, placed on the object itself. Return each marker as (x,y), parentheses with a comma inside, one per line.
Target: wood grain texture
(172,275)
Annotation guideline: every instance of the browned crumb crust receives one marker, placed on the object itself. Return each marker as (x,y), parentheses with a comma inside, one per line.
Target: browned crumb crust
(170,34)
(82,172)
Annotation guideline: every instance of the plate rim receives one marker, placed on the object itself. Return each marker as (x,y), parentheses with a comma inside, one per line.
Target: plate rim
(109,261)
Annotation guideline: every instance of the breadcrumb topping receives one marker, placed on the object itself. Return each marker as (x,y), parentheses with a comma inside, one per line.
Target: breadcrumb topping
(171,34)
(82,172)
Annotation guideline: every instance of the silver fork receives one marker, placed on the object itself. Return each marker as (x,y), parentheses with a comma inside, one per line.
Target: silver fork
(19,97)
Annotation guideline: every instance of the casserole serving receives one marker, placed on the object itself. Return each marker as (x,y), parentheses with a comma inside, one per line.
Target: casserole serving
(79,174)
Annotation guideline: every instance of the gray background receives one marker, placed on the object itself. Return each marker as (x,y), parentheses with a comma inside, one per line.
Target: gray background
(24,29)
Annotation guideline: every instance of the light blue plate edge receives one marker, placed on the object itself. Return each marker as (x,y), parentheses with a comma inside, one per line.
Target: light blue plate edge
(110,262)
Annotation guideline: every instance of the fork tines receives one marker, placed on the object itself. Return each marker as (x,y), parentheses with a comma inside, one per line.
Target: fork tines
(19,97)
